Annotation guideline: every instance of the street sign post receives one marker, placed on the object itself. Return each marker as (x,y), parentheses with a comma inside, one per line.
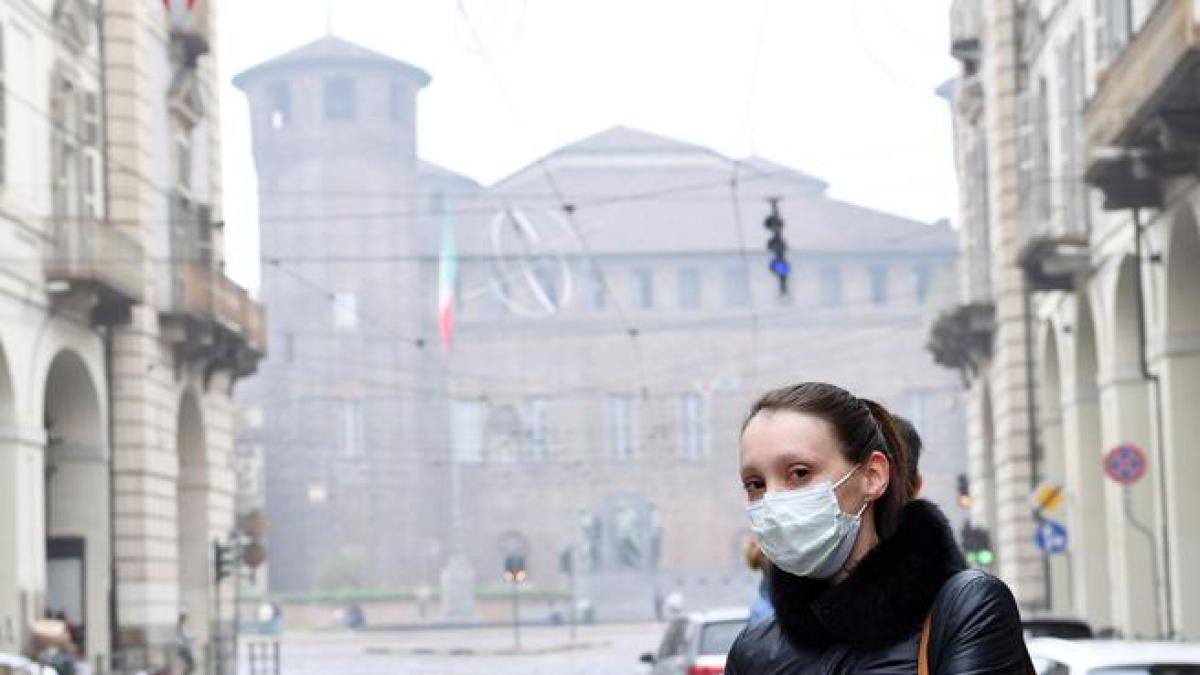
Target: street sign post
(1125,464)
(1051,537)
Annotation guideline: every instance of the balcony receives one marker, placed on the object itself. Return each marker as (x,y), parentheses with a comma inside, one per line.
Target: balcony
(220,321)
(90,256)
(1145,104)
(961,338)
(966,29)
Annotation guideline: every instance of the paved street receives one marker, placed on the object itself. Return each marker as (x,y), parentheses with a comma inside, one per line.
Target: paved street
(608,650)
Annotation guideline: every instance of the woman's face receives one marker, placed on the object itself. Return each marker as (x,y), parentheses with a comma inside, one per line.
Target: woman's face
(784,450)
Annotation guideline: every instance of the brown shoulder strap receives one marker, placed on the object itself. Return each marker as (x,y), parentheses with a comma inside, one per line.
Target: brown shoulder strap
(923,650)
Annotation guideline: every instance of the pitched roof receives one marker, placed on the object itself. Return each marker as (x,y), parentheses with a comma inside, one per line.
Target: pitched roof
(332,51)
(623,140)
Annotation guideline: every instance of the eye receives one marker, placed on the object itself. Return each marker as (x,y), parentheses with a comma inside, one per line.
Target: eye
(753,487)
(799,473)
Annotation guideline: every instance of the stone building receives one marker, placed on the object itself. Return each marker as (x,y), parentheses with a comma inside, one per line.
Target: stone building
(122,338)
(1078,321)
(615,317)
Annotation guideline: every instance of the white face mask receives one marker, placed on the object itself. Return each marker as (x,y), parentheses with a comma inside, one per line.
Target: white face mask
(804,531)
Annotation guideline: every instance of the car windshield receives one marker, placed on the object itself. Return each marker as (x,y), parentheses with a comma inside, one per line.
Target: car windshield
(717,638)
(1150,669)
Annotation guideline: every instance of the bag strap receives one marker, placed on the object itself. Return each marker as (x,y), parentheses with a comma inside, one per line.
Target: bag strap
(923,650)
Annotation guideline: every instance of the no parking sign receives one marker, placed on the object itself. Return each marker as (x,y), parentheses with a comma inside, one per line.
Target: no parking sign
(1125,464)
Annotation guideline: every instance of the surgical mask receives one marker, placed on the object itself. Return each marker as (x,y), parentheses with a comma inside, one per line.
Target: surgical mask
(804,531)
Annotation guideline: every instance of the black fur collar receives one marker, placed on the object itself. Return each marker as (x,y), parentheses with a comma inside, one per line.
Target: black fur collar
(884,599)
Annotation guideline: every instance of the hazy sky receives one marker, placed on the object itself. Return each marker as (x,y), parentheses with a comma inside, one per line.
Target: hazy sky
(842,89)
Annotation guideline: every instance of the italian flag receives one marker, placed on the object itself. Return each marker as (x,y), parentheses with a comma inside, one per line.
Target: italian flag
(447,280)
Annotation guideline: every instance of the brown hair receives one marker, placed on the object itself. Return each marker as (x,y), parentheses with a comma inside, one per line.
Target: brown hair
(862,426)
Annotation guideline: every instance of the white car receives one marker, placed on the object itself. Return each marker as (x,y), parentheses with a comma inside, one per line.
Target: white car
(1054,656)
(19,665)
(697,643)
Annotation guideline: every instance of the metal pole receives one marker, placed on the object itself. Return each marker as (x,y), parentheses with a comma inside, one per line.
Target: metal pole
(571,612)
(516,585)
(216,666)
(1035,472)
(1165,609)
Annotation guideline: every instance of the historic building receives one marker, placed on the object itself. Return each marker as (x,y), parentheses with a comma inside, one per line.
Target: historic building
(122,338)
(614,317)
(1079,322)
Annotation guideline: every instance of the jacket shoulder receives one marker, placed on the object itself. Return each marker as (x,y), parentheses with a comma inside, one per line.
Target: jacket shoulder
(977,626)
(759,648)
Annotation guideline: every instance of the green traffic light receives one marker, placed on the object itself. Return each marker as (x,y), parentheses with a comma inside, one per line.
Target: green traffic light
(985,557)
(972,558)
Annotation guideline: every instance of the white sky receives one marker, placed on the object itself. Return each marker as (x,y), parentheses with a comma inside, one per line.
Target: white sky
(842,89)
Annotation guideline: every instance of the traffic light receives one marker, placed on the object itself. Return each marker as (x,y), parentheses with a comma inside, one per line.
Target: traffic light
(514,568)
(778,247)
(964,492)
(222,560)
(977,545)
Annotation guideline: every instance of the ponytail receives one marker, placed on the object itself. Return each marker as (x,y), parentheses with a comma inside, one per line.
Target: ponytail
(900,489)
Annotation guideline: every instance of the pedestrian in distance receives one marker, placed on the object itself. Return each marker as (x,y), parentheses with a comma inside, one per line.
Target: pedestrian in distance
(760,609)
(864,578)
(185,644)
(912,443)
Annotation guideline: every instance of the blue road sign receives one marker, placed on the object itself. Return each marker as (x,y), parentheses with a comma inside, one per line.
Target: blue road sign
(1051,537)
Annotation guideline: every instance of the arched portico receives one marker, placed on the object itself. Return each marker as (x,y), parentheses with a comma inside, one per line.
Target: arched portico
(1179,364)
(1053,459)
(194,542)
(77,508)
(1126,418)
(1084,451)
(14,504)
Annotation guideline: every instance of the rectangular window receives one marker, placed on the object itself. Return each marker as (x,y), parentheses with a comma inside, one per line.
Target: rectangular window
(466,430)
(737,286)
(280,95)
(339,99)
(643,289)
(689,288)
(878,277)
(831,286)
(345,311)
(398,103)
(350,429)
(597,298)
(918,409)
(620,427)
(538,445)
(183,162)
(922,276)
(693,428)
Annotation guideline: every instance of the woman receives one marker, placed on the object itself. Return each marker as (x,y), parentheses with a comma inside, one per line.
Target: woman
(859,569)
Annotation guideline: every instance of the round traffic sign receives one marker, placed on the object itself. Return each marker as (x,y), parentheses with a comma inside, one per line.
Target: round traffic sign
(1051,537)
(1125,463)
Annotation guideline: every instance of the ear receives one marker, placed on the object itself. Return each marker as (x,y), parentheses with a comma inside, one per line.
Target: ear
(877,472)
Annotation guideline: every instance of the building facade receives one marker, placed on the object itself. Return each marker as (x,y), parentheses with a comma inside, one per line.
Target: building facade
(614,317)
(122,338)
(1078,332)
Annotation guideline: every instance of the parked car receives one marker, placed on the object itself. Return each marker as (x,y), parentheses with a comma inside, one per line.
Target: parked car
(1056,626)
(697,643)
(11,664)
(1055,656)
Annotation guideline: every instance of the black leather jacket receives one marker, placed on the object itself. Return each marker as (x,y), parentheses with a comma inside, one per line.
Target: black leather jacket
(871,622)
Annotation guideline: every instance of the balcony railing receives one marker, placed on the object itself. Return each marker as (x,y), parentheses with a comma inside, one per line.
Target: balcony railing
(204,293)
(94,253)
(1152,69)
(1141,124)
